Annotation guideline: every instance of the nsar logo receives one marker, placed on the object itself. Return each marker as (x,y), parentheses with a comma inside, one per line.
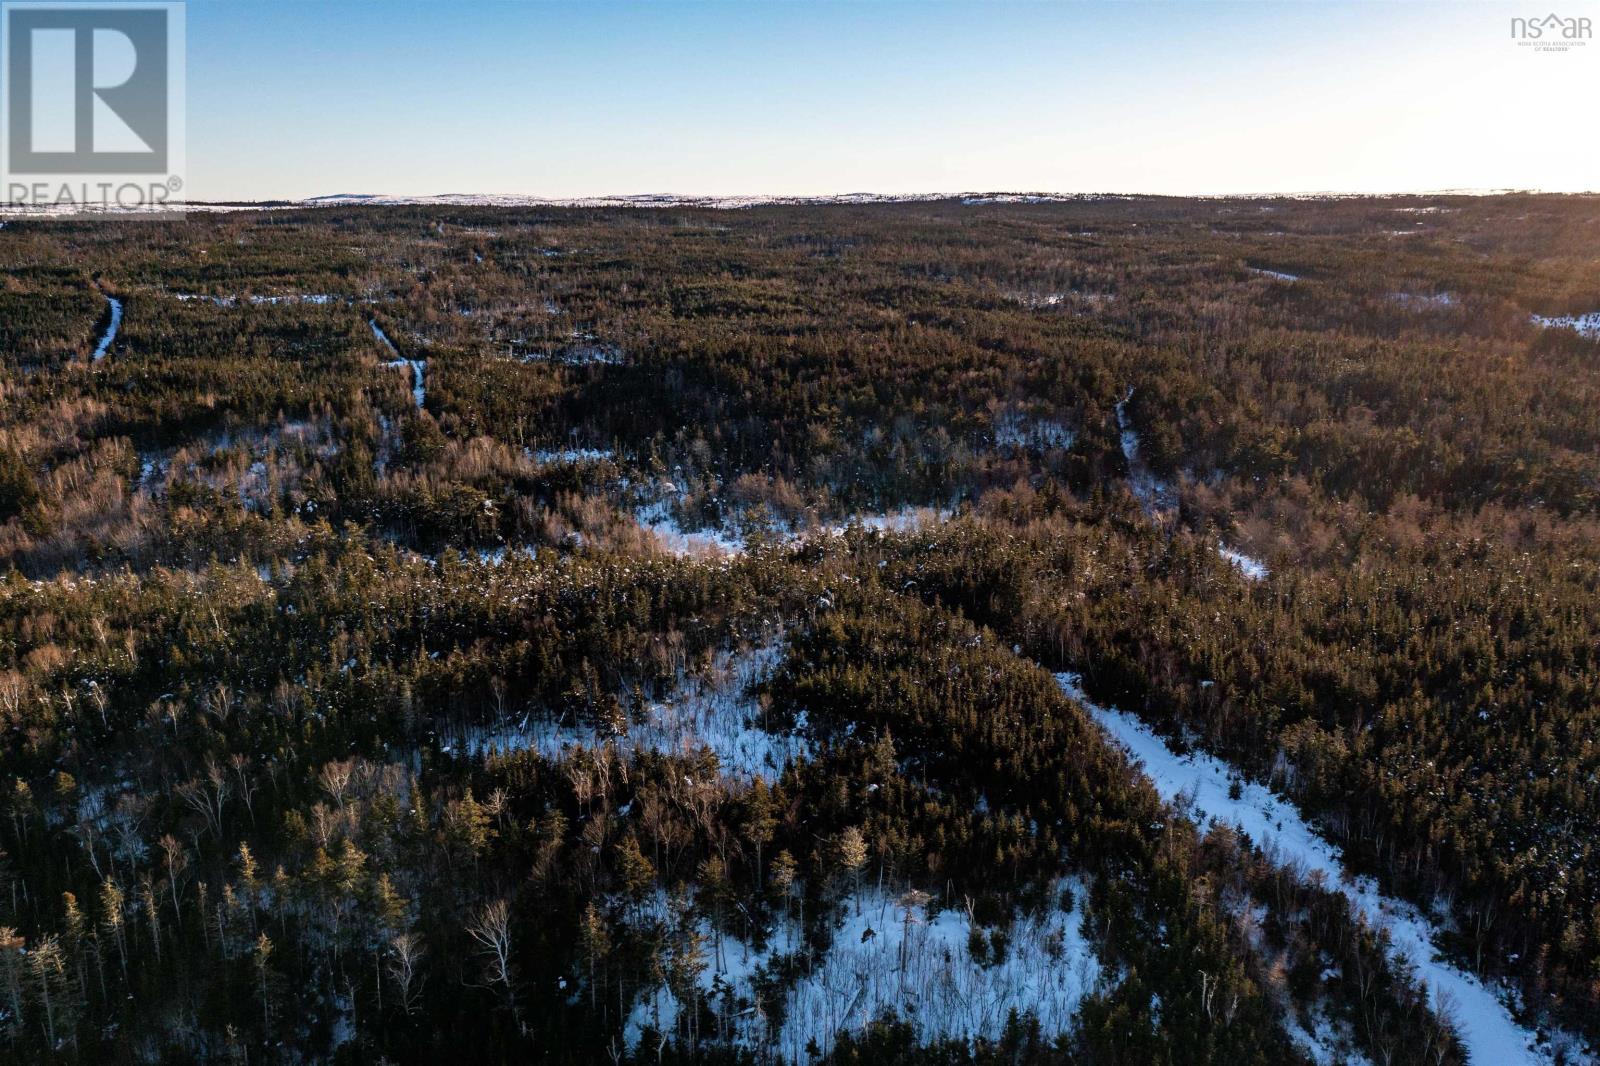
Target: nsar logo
(1553,33)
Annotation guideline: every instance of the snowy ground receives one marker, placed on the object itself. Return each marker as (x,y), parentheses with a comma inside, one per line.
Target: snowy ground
(111,330)
(717,712)
(1254,569)
(888,956)
(587,353)
(567,456)
(257,486)
(905,520)
(1586,325)
(658,519)
(1200,782)
(234,301)
(1276,275)
(1324,1044)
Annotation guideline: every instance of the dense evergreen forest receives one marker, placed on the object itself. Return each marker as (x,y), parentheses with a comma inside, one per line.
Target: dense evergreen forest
(803,633)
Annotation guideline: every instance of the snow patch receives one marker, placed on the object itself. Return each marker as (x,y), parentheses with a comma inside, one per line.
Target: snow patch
(558,456)
(1254,569)
(1014,198)
(234,301)
(905,520)
(1323,1044)
(658,520)
(1585,325)
(888,956)
(585,354)
(716,711)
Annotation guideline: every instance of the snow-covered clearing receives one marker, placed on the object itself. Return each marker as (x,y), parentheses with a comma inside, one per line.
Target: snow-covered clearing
(657,519)
(1254,569)
(1585,325)
(1276,275)
(1202,784)
(1151,492)
(889,956)
(111,329)
(716,711)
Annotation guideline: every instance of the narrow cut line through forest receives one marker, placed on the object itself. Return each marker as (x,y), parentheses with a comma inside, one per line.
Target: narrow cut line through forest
(1213,792)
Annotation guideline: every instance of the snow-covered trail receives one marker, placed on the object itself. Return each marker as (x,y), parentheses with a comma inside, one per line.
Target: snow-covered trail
(111,330)
(383,338)
(1153,494)
(1488,1031)
(419,390)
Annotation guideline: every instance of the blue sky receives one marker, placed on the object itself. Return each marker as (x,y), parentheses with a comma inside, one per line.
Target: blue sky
(304,97)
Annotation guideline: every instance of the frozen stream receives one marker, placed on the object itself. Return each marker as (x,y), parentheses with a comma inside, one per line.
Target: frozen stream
(111,330)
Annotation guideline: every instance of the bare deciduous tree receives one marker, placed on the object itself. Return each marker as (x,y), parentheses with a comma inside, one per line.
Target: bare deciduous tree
(405,959)
(491,928)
